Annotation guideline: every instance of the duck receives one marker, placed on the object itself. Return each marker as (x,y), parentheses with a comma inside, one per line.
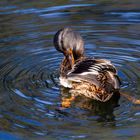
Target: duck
(94,78)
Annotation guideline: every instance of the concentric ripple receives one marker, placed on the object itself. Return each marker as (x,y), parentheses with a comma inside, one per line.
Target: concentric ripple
(31,72)
(30,94)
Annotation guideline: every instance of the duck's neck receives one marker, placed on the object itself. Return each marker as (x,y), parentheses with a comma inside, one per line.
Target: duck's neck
(66,66)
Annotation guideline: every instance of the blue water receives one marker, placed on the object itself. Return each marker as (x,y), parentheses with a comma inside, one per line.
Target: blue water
(30,94)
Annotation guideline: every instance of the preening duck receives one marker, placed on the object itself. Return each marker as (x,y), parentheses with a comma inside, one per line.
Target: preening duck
(95,78)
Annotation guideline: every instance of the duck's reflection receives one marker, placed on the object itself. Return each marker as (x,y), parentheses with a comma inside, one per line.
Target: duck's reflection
(95,108)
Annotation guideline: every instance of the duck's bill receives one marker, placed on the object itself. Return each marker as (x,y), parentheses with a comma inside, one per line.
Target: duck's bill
(71,58)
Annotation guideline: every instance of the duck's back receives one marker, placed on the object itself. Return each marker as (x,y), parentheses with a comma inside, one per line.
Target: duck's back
(95,78)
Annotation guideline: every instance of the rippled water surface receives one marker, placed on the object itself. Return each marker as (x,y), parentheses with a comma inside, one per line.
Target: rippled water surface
(30,94)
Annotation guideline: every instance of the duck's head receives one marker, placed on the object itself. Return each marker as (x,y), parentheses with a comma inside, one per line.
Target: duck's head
(70,43)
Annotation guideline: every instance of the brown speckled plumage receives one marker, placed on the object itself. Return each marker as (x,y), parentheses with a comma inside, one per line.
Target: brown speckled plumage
(90,91)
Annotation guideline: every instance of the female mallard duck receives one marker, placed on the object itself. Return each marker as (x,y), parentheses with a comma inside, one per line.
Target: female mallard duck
(94,78)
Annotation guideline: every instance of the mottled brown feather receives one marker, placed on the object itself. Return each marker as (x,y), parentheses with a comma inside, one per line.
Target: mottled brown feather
(100,87)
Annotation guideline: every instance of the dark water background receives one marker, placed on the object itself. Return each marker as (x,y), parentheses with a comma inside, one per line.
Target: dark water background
(30,95)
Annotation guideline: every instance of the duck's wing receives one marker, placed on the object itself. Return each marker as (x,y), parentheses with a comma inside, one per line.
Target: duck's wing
(99,72)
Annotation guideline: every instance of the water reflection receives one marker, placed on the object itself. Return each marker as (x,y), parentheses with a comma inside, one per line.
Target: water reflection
(30,95)
(98,110)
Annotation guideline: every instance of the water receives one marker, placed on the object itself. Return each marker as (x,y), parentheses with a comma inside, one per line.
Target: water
(30,94)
